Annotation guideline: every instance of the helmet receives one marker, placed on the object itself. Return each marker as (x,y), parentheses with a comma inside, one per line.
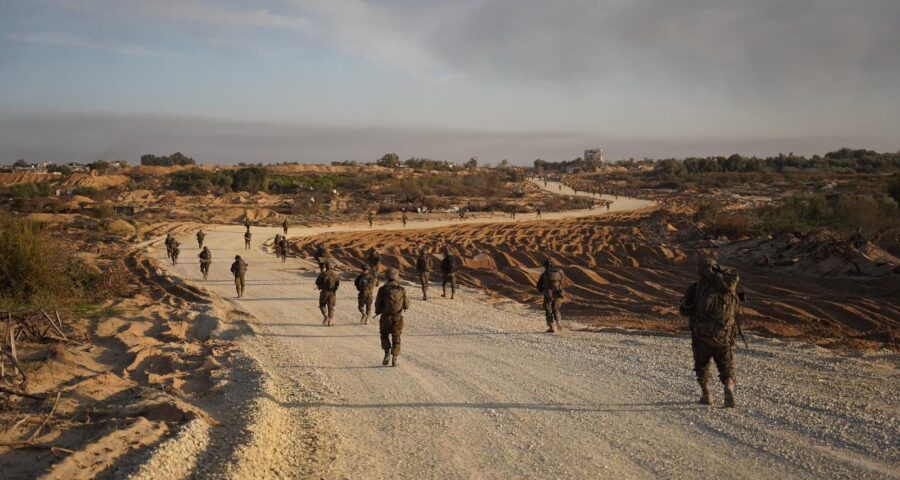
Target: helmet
(392,274)
(365,267)
(237,257)
(706,266)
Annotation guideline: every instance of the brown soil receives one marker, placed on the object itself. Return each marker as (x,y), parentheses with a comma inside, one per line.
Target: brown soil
(145,366)
(629,270)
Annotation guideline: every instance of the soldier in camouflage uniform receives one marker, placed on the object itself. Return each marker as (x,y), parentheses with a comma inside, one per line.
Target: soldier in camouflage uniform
(449,265)
(404,217)
(552,285)
(247,236)
(284,225)
(711,305)
(169,240)
(390,303)
(371,219)
(175,251)
(423,268)
(239,270)
(321,255)
(200,237)
(282,249)
(247,223)
(364,284)
(373,258)
(205,257)
(276,245)
(327,283)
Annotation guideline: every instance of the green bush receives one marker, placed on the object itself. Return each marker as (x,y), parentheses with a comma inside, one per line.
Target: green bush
(802,213)
(35,269)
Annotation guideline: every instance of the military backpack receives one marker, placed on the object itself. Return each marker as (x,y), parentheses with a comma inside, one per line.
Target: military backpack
(329,281)
(393,300)
(717,306)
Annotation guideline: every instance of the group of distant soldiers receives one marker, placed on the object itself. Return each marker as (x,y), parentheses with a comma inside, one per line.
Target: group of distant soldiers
(711,303)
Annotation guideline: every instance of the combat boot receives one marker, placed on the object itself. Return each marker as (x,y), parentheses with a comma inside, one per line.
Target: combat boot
(395,361)
(729,392)
(324,315)
(387,358)
(704,392)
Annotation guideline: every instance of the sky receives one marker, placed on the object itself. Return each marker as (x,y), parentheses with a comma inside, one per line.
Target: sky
(328,80)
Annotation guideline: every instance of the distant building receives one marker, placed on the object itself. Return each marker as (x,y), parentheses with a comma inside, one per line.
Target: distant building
(593,155)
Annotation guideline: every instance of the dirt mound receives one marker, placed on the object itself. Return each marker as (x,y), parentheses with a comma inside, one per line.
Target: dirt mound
(120,227)
(626,271)
(818,254)
(14,178)
(94,180)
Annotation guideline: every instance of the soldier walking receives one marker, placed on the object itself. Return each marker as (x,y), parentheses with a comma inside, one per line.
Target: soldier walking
(247,222)
(404,217)
(390,303)
(247,236)
(200,237)
(282,249)
(364,284)
(205,260)
(320,255)
(551,285)
(175,251)
(169,240)
(449,265)
(276,245)
(423,268)
(284,225)
(327,283)
(373,258)
(538,210)
(711,305)
(239,270)
(371,219)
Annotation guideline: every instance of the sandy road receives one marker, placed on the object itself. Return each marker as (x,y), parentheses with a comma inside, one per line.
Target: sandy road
(482,394)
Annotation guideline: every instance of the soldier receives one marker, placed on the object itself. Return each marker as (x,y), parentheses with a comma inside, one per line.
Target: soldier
(538,210)
(169,239)
(462,213)
(551,285)
(282,249)
(711,305)
(390,303)
(404,218)
(276,245)
(247,236)
(247,223)
(239,270)
(284,225)
(514,210)
(327,283)
(371,218)
(423,268)
(364,284)
(448,273)
(607,205)
(175,251)
(373,258)
(205,260)
(200,237)
(321,255)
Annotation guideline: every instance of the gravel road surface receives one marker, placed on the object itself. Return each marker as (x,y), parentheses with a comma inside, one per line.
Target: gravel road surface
(482,393)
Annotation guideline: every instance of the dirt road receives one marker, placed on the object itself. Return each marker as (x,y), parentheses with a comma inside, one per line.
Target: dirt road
(482,394)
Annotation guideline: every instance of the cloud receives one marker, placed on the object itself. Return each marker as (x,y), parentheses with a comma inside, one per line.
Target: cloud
(74,41)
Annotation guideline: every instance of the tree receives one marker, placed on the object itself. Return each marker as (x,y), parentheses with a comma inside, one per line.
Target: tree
(471,164)
(504,164)
(21,163)
(389,160)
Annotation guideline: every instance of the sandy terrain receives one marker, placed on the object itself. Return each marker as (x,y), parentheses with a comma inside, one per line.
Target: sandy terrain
(482,394)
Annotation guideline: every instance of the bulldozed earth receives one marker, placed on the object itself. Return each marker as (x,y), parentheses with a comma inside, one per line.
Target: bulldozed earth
(177,379)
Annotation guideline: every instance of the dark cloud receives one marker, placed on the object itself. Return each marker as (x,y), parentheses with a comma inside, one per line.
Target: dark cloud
(84,138)
(761,46)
